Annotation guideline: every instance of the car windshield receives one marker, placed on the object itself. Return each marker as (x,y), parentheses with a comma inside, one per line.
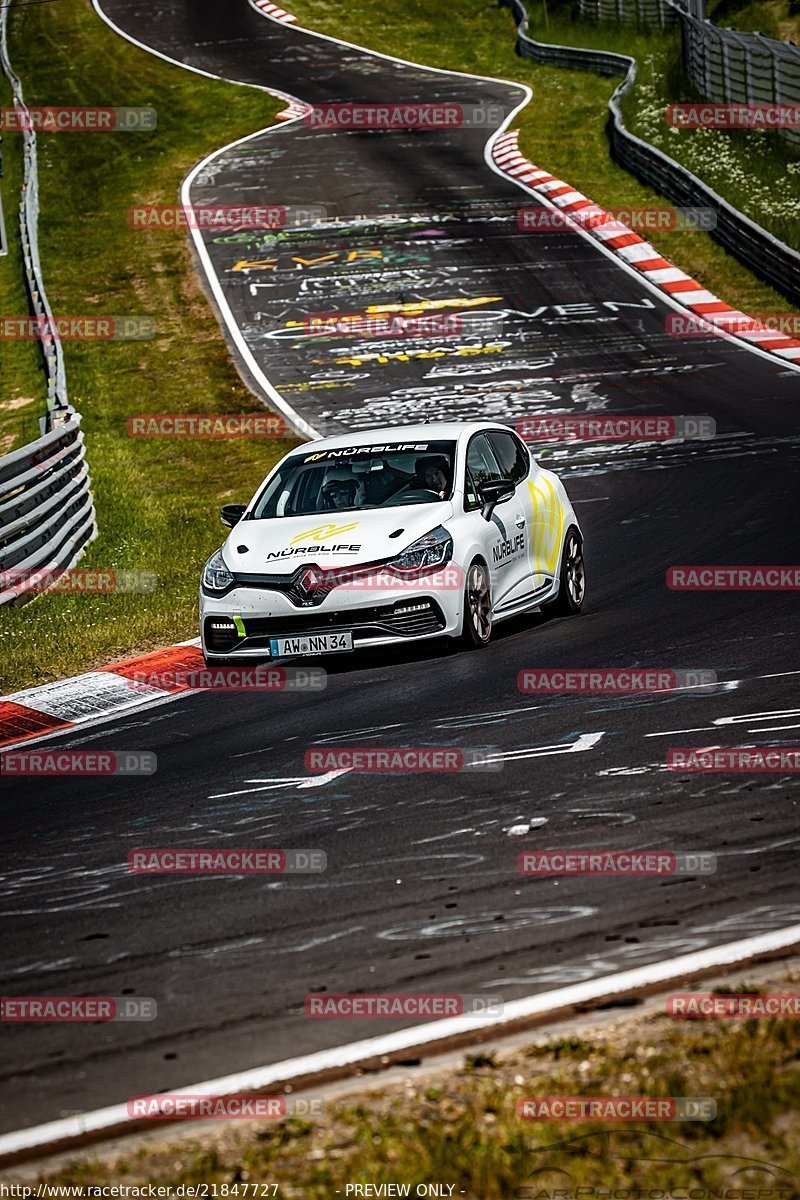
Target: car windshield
(359,477)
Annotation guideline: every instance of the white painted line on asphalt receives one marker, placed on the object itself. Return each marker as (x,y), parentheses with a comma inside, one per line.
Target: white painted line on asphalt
(115,1117)
(584,741)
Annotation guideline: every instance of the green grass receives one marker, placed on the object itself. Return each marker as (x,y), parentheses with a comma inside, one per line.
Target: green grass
(563,128)
(759,173)
(22,380)
(461,1127)
(779,19)
(156,500)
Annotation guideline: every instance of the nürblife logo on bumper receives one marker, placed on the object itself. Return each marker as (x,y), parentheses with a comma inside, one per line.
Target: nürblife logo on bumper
(319,545)
(322,532)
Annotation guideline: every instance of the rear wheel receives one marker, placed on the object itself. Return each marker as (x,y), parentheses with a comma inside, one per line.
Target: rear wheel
(572,578)
(476,628)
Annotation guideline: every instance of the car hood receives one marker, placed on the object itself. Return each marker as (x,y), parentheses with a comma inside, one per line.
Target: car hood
(280,545)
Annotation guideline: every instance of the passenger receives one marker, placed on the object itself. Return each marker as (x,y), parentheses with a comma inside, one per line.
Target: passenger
(433,472)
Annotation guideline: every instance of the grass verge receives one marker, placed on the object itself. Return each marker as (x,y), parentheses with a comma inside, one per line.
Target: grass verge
(759,173)
(22,381)
(461,1127)
(779,19)
(156,500)
(563,127)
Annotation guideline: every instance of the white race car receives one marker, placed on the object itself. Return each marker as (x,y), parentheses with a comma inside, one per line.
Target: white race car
(390,536)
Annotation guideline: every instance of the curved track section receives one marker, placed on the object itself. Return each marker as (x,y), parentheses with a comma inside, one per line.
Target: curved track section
(422,891)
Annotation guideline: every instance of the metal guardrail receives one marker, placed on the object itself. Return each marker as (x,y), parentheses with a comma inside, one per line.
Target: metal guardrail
(643,12)
(765,255)
(47,513)
(743,68)
(722,64)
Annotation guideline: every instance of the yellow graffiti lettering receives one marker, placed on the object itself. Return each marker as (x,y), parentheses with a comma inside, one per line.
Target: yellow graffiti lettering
(258,264)
(406,356)
(419,306)
(310,262)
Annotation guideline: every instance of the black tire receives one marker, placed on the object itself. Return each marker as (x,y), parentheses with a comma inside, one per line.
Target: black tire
(572,578)
(476,627)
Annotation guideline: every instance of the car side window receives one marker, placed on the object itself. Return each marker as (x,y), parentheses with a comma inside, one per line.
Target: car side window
(512,455)
(482,467)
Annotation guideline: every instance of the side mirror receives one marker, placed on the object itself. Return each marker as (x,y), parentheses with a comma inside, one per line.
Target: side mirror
(231,514)
(493,494)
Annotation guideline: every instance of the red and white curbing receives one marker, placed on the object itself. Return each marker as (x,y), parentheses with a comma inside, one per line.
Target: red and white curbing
(59,706)
(273,10)
(639,254)
(295,109)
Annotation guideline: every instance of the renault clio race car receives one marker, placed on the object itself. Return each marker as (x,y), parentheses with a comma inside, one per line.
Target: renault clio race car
(390,536)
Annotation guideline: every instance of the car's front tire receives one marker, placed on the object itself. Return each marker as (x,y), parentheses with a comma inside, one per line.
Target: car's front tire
(572,578)
(476,628)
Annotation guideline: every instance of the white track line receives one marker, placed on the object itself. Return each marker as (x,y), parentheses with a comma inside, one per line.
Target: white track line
(269,389)
(115,1119)
(528,96)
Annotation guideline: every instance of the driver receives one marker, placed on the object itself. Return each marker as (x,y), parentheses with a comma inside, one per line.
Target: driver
(433,472)
(342,489)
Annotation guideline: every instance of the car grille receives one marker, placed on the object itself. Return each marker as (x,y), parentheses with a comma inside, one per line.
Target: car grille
(404,619)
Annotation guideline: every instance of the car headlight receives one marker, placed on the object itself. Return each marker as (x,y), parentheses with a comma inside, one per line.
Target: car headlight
(216,576)
(433,550)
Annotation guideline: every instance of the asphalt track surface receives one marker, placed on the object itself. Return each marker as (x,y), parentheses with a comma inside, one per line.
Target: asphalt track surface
(422,891)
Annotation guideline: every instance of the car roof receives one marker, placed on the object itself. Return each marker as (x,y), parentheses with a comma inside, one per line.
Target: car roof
(397,435)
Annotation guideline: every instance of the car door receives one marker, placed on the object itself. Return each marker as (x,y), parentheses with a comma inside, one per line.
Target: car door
(544,512)
(503,537)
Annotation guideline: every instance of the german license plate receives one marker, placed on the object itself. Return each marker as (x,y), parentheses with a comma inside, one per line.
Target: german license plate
(317,643)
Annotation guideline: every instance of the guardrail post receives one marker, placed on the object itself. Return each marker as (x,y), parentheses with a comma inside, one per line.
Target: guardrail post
(45,489)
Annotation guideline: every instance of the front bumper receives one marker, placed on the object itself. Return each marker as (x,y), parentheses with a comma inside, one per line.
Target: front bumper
(241,623)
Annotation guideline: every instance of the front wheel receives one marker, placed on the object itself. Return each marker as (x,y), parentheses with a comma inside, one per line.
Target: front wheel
(572,578)
(476,628)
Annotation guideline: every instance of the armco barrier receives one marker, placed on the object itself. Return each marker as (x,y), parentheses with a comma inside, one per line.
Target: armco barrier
(766,256)
(46,508)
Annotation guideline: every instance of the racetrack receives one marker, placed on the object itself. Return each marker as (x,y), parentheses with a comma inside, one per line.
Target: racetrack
(422,892)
